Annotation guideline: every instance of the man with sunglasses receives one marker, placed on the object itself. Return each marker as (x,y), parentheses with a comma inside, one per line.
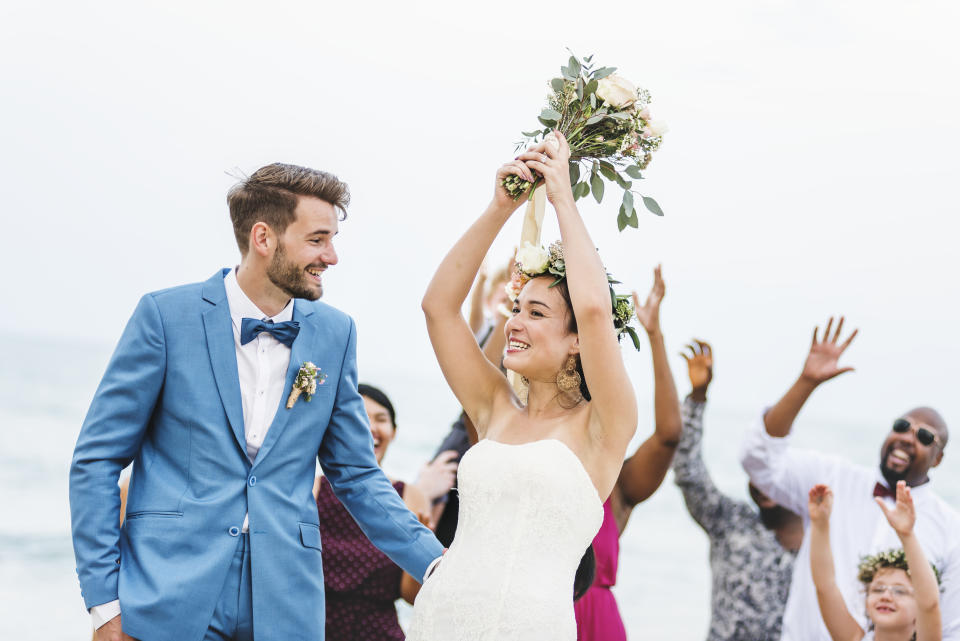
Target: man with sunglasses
(914,444)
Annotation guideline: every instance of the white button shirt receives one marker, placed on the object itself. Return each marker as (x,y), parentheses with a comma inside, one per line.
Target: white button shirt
(857,528)
(262,368)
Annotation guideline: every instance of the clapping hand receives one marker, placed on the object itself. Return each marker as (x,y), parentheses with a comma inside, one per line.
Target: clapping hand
(822,361)
(820,504)
(699,366)
(649,313)
(901,516)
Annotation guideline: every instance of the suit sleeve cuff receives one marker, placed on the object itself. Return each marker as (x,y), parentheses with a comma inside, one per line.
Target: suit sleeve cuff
(101,614)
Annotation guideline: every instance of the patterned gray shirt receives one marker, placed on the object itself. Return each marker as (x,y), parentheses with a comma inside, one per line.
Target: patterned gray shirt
(751,570)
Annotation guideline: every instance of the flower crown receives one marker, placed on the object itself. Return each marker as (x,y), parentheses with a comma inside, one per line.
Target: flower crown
(533,262)
(893,558)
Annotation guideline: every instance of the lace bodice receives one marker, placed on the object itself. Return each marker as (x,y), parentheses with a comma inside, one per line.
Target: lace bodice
(527,514)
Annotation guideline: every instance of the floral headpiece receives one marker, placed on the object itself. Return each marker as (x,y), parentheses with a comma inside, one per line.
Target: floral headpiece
(533,262)
(893,558)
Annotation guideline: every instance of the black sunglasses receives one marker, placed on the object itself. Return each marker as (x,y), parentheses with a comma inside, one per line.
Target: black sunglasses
(925,436)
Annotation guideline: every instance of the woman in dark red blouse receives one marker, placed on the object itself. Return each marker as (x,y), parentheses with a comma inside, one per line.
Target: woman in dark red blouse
(361,583)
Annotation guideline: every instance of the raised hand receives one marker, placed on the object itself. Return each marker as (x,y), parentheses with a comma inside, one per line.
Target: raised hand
(551,159)
(822,361)
(820,504)
(649,313)
(501,198)
(902,516)
(699,365)
(438,476)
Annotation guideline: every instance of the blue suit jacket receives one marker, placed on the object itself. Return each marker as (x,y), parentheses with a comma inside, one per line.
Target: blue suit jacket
(170,403)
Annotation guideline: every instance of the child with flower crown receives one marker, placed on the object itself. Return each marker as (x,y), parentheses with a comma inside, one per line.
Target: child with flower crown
(532,489)
(902,593)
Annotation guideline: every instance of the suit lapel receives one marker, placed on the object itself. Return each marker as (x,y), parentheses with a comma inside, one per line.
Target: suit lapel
(223,353)
(299,353)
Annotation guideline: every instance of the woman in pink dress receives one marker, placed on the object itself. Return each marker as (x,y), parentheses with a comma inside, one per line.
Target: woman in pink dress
(598,618)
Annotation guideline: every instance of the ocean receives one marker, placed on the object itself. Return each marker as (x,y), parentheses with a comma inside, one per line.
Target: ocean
(46,385)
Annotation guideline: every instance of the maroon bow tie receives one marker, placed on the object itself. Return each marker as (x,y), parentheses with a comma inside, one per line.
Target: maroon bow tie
(882,491)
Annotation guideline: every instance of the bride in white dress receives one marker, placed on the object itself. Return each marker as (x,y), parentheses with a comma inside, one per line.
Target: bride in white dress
(532,490)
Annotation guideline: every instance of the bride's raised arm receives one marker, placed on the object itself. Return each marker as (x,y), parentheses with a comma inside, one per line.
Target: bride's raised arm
(611,392)
(474,380)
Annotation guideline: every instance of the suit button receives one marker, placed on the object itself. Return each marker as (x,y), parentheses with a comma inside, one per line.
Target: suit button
(253,481)
(234,531)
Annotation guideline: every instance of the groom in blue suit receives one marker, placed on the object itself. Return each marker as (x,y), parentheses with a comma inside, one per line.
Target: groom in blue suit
(207,395)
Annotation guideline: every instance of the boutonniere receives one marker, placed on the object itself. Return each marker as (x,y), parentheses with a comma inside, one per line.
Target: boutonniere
(306,382)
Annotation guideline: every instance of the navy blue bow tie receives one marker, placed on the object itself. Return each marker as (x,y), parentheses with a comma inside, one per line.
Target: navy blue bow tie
(285,332)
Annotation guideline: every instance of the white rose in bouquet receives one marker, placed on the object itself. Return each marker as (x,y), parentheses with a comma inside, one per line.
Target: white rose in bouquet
(616,91)
(532,259)
(655,128)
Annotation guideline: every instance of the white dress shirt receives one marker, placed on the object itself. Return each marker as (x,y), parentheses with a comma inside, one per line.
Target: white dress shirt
(857,528)
(262,368)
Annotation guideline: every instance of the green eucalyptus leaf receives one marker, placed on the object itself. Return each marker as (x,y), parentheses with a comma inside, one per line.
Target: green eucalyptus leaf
(596,183)
(633,220)
(652,205)
(634,172)
(603,72)
(579,89)
(595,119)
(608,171)
(634,337)
(627,202)
(574,66)
(591,87)
(532,134)
(574,173)
(593,100)
(621,220)
(550,114)
(557,84)
(623,182)
(568,74)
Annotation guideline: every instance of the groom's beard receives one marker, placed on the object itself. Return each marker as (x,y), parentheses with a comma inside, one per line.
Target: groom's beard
(292,279)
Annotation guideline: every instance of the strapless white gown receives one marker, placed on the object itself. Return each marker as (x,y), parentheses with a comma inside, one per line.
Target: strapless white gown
(527,514)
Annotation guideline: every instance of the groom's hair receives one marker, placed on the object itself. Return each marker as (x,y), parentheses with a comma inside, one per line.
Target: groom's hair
(270,195)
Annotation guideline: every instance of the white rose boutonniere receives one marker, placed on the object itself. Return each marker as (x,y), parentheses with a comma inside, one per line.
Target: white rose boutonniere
(306,382)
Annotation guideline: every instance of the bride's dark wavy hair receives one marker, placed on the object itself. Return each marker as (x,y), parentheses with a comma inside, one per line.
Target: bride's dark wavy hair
(586,572)
(561,286)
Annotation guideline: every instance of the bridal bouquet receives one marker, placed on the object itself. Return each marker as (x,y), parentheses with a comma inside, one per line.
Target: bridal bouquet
(606,121)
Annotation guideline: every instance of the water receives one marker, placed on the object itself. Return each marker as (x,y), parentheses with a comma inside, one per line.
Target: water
(46,385)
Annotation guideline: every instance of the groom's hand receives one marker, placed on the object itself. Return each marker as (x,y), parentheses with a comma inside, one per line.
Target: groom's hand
(112,631)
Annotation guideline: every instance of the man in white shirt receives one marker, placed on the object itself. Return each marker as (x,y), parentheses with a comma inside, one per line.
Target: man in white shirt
(206,394)
(914,445)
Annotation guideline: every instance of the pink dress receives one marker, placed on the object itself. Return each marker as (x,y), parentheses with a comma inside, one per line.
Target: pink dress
(598,618)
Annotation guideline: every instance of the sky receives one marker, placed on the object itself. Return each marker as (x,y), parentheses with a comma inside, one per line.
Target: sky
(809,170)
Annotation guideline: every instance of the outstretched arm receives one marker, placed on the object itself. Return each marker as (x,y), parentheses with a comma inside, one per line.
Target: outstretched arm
(902,518)
(473,379)
(840,623)
(643,472)
(706,504)
(613,401)
(821,366)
